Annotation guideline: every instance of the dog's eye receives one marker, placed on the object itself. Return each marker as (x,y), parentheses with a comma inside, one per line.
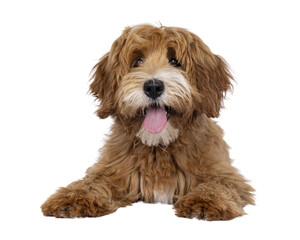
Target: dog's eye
(174,62)
(138,62)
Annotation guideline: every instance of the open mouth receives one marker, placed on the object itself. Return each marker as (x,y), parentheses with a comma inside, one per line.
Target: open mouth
(156,118)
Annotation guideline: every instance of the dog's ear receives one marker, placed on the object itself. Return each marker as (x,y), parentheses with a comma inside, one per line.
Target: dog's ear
(106,76)
(212,75)
(101,87)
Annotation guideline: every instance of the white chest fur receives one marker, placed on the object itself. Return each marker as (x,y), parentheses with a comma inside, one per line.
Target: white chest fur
(163,197)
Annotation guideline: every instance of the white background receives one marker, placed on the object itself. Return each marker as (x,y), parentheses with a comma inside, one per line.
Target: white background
(50,136)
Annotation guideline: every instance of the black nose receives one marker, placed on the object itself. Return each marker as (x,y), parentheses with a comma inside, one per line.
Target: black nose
(154,88)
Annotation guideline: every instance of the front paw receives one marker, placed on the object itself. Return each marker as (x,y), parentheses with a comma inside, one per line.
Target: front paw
(207,208)
(71,203)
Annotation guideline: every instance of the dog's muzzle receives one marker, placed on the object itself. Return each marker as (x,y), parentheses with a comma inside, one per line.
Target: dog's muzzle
(155,119)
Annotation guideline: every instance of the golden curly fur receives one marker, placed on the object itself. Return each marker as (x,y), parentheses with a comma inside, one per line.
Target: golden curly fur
(188,163)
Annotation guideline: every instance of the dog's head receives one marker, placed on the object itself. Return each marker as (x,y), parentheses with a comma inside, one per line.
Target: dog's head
(157,79)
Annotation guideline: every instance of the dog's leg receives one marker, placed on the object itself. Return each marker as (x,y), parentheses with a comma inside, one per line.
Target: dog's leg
(222,200)
(90,197)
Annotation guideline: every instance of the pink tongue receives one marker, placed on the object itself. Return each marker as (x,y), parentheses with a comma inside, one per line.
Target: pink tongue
(155,120)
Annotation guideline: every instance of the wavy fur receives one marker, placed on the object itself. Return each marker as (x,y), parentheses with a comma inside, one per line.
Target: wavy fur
(189,165)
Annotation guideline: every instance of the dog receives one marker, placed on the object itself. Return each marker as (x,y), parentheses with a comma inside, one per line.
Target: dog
(161,85)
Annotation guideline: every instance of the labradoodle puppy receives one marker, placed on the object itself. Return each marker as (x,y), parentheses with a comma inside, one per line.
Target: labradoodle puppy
(162,86)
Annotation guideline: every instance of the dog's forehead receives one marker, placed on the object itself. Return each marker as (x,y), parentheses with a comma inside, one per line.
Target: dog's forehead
(144,40)
(147,34)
